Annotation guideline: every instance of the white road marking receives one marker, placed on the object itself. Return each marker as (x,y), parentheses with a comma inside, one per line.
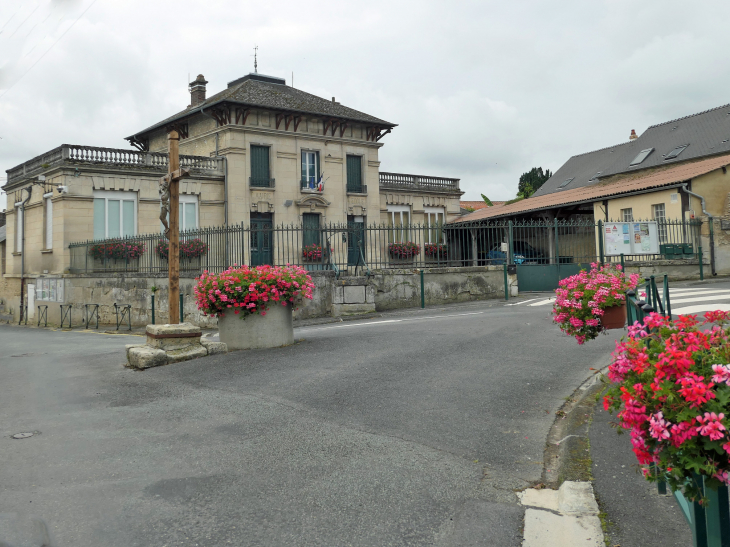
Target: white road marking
(692,293)
(723,306)
(543,302)
(352,325)
(699,299)
(523,302)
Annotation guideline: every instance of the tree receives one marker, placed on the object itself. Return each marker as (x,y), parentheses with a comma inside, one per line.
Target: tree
(531,181)
(487,200)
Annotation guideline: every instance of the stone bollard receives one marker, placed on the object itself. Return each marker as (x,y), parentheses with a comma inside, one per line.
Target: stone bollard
(171,344)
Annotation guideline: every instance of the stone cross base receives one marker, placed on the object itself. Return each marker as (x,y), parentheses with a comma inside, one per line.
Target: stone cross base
(171,344)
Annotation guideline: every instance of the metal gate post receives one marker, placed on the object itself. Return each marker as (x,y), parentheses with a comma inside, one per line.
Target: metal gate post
(423,294)
(510,258)
(699,254)
(181,308)
(600,241)
(153,308)
(506,283)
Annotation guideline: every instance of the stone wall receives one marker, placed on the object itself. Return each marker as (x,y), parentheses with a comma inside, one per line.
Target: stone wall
(332,297)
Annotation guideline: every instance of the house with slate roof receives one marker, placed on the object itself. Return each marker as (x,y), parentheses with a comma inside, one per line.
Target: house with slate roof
(659,174)
(260,153)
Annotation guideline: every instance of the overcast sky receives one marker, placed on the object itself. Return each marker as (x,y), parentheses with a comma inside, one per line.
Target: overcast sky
(482,91)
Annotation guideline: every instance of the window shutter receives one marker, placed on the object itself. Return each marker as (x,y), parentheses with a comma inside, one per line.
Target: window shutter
(260,166)
(311,235)
(99,218)
(354,174)
(49,223)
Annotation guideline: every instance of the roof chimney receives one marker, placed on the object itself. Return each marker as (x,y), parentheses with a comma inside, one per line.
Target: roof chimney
(633,135)
(197,91)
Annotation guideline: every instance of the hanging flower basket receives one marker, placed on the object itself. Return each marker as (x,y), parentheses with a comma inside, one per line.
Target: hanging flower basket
(191,248)
(671,389)
(403,251)
(117,249)
(438,251)
(583,300)
(312,253)
(614,317)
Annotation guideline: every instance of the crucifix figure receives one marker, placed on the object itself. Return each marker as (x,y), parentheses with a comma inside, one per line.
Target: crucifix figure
(170,198)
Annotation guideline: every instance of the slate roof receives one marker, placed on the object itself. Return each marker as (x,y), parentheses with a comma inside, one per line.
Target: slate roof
(583,169)
(629,183)
(704,132)
(261,94)
(2,233)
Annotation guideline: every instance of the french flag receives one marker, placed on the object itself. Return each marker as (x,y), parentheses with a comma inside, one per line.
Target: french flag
(320,184)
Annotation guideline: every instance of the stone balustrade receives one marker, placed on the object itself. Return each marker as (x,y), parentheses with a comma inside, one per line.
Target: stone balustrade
(112,157)
(401,181)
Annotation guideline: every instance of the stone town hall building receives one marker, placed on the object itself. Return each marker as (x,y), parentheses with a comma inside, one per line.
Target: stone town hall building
(257,151)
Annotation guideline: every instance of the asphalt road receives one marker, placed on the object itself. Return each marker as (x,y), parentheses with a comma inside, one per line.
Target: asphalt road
(413,429)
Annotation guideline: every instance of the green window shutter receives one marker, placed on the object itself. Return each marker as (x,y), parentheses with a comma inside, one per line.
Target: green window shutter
(260,166)
(354,174)
(311,235)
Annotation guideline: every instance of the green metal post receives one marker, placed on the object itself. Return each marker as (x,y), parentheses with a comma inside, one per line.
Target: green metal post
(181,308)
(699,254)
(717,516)
(510,250)
(623,267)
(667,304)
(423,293)
(153,308)
(506,284)
(600,241)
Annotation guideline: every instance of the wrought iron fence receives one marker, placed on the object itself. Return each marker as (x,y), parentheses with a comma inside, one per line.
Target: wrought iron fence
(355,247)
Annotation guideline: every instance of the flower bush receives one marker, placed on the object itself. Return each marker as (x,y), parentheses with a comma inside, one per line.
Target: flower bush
(436,250)
(312,253)
(403,250)
(247,291)
(117,249)
(671,387)
(192,248)
(582,298)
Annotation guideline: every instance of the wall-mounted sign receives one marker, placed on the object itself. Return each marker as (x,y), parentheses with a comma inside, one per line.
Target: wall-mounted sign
(630,238)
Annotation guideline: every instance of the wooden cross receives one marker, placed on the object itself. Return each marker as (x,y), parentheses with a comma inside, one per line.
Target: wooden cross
(170,197)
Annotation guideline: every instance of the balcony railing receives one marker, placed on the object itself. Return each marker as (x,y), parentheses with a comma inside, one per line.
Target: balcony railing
(400,181)
(110,157)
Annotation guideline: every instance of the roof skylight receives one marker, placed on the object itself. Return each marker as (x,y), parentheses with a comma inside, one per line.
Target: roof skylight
(564,184)
(641,156)
(676,152)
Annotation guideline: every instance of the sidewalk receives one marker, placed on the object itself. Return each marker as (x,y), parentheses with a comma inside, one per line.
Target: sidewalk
(635,515)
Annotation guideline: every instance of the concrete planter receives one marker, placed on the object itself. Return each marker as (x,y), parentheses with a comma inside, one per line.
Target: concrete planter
(258,331)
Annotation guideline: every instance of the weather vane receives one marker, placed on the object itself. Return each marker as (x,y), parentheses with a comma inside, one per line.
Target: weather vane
(255,59)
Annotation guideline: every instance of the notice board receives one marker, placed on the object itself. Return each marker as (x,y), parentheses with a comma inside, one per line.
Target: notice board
(630,238)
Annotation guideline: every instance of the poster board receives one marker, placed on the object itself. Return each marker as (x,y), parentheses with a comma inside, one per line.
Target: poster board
(630,238)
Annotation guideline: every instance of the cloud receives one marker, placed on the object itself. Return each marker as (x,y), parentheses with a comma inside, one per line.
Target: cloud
(482,90)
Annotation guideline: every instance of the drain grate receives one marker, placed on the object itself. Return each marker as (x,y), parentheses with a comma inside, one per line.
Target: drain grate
(22,435)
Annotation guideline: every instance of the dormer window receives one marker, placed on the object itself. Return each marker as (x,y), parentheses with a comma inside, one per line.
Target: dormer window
(676,152)
(564,184)
(641,156)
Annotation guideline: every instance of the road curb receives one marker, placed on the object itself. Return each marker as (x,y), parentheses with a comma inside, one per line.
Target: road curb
(568,435)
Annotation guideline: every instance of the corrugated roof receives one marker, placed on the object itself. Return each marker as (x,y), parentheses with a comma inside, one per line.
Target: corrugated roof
(276,97)
(587,194)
